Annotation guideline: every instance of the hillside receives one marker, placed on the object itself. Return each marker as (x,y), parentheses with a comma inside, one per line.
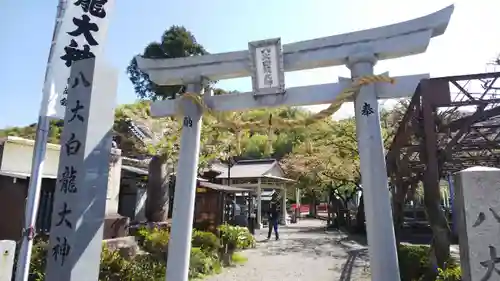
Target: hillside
(253,144)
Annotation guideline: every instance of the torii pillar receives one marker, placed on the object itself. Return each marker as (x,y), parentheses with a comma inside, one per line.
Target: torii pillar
(382,242)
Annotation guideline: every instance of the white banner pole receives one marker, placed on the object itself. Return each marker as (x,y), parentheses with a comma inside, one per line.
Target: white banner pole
(35,183)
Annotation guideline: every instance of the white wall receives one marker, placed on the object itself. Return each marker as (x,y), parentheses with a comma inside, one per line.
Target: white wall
(17,157)
(16,160)
(114,178)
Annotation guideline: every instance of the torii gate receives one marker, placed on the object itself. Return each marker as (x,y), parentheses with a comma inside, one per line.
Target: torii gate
(266,63)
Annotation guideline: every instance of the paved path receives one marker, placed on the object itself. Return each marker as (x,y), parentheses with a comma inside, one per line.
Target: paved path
(304,252)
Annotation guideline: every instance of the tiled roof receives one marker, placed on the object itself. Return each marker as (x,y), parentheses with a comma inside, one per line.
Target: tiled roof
(249,169)
(218,167)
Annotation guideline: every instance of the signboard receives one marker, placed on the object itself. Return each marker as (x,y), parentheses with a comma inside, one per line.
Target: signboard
(201,190)
(266,63)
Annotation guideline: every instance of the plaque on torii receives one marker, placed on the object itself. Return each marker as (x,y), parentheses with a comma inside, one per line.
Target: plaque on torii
(266,61)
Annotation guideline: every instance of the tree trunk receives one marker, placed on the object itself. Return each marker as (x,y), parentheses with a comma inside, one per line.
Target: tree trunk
(330,209)
(340,218)
(432,195)
(340,211)
(398,203)
(360,216)
(312,205)
(439,224)
(157,201)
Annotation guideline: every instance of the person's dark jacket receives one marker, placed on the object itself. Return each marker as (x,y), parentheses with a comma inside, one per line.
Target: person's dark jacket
(274,207)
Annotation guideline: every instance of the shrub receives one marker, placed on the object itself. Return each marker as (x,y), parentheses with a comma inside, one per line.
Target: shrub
(229,235)
(414,264)
(146,268)
(151,266)
(207,241)
(236,237)
(245,239)
(38,260)
(239,258)
(154,241)
(142,268)
(452,273)
(113,266)
(202,263)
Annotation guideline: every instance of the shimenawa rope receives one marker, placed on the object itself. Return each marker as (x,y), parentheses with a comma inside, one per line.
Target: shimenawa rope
(275,122)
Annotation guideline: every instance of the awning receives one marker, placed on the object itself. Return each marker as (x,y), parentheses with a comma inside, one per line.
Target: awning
(221,187)
(135,170)
(143,172)
(278,178)
(23,175)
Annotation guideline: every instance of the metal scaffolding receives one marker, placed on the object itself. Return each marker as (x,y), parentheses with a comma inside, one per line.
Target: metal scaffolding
(452,123)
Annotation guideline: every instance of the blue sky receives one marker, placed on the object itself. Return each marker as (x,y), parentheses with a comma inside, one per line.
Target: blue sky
(223,25)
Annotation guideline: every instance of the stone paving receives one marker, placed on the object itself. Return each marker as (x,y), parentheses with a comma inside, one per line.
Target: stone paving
(304,252)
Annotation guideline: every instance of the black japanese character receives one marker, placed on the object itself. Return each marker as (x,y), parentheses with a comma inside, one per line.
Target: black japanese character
(73,145)
(68,180)
(95,7)
(495,215)
(61,250)
(188,122)
(76,82)
(63,101)
(480,219)
(367,109)
(267,66)
(490,264)
(72,53)
(62,216)
(76,113)
(84,26)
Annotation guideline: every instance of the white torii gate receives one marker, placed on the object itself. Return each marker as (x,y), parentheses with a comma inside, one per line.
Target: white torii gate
(266,63)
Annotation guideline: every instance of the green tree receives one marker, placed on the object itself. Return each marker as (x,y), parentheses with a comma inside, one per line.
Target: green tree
(161,151)
(310,160)
(328,162)
(176,42)
(29,132)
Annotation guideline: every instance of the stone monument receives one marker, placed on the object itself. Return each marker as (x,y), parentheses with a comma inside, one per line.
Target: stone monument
(80,196)
(477,206)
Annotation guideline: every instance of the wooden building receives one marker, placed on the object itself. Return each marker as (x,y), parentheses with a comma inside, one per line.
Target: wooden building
(214,203)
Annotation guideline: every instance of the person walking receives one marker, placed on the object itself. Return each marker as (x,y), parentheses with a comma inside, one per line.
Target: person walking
(273,216)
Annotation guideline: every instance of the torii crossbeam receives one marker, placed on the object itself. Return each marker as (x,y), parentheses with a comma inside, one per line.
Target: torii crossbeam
(266,63)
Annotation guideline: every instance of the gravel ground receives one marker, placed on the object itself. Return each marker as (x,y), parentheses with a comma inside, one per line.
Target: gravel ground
(304,252)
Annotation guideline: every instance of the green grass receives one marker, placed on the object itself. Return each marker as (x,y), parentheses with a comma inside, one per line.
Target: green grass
(238,258)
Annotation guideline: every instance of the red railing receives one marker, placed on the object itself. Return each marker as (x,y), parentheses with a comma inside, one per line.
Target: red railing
(304,208)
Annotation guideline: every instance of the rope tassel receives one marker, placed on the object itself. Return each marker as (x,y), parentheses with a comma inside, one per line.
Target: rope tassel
(270,132)
(238,142)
